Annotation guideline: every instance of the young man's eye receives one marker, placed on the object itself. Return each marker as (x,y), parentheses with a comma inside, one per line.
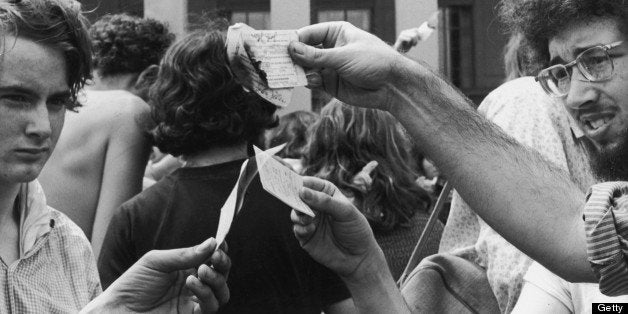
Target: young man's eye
(61,103)
(15,100)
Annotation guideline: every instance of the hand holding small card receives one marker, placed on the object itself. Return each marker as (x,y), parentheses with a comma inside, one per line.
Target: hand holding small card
(281,181)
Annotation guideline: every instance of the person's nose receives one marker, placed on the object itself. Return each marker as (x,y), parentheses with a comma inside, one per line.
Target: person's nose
(582,92)
(38,122)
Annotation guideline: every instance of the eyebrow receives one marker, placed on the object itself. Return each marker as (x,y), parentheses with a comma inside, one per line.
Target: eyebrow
(17,88)
(26,91)
(576,52)
(556,60)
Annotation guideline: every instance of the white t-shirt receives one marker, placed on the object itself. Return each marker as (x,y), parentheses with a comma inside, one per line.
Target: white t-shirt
(577,297)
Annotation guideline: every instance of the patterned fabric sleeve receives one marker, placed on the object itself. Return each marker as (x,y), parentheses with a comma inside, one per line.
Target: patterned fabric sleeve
(606,225)
(523,110)
(462,228)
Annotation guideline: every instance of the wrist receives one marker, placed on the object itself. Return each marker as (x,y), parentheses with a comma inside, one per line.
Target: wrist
(103,303)
(369,270)
(404,84)
(373,288)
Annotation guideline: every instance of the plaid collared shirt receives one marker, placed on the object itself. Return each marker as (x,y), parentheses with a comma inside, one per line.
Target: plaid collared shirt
(57,274)
(606,224)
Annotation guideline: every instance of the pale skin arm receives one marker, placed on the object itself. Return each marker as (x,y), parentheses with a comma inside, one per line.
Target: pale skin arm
(518,193)
(340,238)
(534,300)
(125,161)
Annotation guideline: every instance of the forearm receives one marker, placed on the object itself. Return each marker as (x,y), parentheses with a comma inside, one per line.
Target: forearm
(531,203)
(373,289)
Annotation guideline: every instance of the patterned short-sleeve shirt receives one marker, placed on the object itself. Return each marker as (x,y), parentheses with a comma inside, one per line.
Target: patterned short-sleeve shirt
(56,274)
(523,110)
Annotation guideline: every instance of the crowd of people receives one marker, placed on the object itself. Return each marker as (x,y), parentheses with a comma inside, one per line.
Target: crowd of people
(121,146)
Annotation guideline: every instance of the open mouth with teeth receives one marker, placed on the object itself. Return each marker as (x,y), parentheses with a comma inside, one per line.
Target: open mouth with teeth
(597,126)
(597,123)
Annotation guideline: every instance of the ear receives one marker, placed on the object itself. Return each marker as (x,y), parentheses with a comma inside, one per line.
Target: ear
(145,80)
(148,76)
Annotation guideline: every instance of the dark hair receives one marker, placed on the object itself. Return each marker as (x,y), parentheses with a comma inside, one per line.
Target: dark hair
(540,20)
(347,138)
(197,102)
(292,130)
(128,44)
(59,24)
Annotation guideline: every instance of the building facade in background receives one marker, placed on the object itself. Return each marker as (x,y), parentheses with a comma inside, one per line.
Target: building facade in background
(467,48)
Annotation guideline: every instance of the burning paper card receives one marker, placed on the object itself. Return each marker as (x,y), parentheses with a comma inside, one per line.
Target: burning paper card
(260,61)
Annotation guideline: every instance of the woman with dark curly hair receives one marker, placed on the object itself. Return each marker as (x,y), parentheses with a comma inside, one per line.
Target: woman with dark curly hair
(205,116)
(347,139)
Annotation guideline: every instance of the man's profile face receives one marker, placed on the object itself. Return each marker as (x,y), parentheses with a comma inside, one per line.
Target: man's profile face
(600,108)
(33,92)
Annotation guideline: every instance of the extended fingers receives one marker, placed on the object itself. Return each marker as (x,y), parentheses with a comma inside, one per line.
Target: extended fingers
(325,34)
(311,57)
(210,288)
(216,280)
(178,259)
(203,294)
(221,262)
(300,219)
(320,185)
(303,227)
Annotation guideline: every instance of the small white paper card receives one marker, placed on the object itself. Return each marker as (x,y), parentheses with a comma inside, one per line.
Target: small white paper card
(269,62)
(281,182)
(227,212)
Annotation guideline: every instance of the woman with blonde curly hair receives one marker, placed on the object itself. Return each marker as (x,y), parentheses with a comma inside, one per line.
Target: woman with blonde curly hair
(345,141)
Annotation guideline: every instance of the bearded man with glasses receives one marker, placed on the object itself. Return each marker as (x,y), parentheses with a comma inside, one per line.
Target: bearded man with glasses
(588,72)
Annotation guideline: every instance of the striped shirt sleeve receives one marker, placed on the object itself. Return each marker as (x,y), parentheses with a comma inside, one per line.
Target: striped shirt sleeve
(606,224)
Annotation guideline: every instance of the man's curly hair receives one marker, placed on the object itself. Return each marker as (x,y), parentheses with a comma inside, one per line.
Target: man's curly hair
(197,102)
(57,23)
(540,20)
(128,44)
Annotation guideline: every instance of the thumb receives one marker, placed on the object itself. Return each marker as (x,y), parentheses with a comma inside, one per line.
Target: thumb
(181,259)
(312,57)
(324,197)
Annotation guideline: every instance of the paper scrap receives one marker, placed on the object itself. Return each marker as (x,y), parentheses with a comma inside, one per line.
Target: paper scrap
(228,210)
(281,182)
(269,49)
(260,61)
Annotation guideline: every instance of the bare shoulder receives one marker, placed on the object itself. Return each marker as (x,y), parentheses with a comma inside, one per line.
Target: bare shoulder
(117,109)
(115,102)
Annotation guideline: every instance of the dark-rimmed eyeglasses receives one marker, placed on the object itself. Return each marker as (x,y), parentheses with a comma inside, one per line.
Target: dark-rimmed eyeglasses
(595,64)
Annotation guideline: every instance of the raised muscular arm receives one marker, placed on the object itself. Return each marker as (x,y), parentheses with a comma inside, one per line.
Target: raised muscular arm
(531,203)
